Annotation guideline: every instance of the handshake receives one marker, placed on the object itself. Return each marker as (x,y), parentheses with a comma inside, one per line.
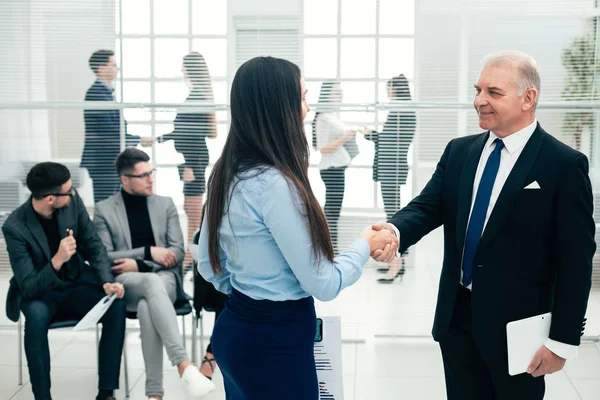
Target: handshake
(382,240)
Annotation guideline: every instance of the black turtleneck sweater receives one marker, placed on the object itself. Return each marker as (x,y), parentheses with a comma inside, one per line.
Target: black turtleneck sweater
(50,227)
(140,227)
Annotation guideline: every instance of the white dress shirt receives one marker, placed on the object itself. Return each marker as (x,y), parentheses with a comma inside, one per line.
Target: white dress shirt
(329,128)
(513,147)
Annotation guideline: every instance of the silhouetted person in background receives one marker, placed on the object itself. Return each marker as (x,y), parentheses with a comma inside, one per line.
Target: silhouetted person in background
(103,128)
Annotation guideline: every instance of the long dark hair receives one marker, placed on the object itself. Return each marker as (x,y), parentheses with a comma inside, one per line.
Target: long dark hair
(400,88)
(197,71)
(266,130)
(324,97)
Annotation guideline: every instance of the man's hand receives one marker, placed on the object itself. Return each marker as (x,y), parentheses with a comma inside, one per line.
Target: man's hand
(164,257)
(387,254)
(379,240)
(545,362)
(116,288)
(125,265)
(146,141)
(188,174)
(66,249)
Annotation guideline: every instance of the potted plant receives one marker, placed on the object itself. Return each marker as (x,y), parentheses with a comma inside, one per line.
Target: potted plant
(582,65)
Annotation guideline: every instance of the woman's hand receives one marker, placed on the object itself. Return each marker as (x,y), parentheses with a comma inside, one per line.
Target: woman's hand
(380,240)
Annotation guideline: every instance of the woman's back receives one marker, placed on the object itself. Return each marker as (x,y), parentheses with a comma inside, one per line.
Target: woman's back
(265,241)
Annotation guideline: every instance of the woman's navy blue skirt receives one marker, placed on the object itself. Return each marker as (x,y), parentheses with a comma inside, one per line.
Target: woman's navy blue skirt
(265,349)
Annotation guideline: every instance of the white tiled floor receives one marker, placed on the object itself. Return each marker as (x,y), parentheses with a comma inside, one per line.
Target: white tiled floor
(377,369)
(387,352)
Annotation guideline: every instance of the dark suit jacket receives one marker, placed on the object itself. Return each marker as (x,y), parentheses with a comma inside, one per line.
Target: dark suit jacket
(102,133)
(30,257)
(391,147)
(535,254)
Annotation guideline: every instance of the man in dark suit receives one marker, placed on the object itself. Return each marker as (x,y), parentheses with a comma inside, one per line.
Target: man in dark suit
(49,240)
(103,128)
(516,205)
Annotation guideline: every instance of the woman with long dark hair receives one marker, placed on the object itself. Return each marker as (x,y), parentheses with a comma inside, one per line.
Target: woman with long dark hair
(265,241)
(390,166)
(189,134)
(332,138)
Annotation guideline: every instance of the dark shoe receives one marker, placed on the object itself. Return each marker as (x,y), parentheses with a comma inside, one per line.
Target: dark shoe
(400,274)
(105,394)
(386,269)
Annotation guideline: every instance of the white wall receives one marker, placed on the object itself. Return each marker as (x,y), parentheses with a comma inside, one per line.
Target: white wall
(45,47)
(23,133)
(453,36)
(265,7)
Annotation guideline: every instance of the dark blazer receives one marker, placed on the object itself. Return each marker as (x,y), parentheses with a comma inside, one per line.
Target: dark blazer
(102,133)
(535,254)
(30,257)
(391,147)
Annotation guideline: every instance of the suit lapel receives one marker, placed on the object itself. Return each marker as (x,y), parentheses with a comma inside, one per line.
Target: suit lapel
(513,186)
(37,231)
(154,216)
(122,220)
(465,188)
(63,224)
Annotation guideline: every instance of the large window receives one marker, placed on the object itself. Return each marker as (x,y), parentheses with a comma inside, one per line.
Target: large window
(361,44)
(153,36)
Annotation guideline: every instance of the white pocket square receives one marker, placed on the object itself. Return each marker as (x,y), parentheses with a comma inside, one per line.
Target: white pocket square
(533,185)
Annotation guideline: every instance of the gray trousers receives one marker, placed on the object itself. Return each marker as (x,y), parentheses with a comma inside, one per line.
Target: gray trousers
(152,295)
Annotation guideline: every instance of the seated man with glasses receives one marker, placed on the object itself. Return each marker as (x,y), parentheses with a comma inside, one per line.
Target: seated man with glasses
(61,270)
(142,234)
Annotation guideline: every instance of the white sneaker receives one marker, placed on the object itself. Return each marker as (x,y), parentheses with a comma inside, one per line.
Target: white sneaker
(194,384)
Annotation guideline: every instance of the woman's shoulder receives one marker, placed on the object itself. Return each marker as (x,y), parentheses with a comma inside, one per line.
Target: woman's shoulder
(263,176)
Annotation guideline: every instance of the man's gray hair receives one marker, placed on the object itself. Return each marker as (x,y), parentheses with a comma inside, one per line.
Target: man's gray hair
(529,73)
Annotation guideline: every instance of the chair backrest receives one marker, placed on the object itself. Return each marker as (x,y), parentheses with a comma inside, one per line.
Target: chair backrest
(10,195)
(205,295)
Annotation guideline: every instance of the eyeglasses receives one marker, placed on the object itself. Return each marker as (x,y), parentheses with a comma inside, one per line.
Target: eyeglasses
(70,193)
(145,175)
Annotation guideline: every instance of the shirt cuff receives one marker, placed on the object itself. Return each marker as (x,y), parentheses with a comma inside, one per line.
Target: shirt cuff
(563,350)
(143,267)
(363,248)
(397,233)
(147,253)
